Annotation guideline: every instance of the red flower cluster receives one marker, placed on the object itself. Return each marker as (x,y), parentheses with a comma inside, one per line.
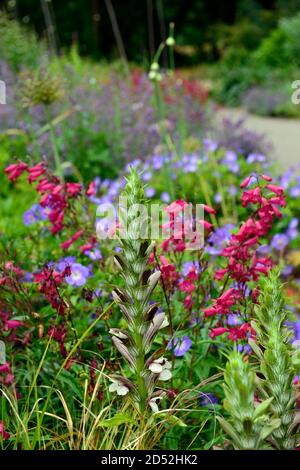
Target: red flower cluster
(243,264)
(168,273)
(188,285)
(181,226)
(55,196)
(49,281)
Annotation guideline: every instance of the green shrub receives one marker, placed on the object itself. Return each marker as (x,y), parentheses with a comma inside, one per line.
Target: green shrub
(19,46)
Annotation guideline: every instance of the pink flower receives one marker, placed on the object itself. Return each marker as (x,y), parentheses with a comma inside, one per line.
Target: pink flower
(15,170)
(186,286)
(66,245)
(176,207)
(35,172)
(278,190)
(208,209)
(13,324)
(73,189)
(217,332)
(91,191)
(245,183)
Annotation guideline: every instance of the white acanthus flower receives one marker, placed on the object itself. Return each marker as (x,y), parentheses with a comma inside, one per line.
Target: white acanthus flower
(153,405)
(162,367)
(119,387)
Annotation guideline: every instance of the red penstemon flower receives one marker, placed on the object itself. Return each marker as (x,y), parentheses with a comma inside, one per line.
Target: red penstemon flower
(243,264)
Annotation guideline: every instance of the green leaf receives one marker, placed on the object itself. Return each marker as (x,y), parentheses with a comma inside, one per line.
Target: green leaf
(116,420)
(296,358)
(269,428)
(254,346)
(262,408)
(230,431)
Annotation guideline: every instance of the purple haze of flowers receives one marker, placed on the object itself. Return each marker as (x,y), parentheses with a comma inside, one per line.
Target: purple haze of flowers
(280,241)
(181,345)
(208,399)
(35,214)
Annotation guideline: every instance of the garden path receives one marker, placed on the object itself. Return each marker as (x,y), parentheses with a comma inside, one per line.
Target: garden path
(283,133)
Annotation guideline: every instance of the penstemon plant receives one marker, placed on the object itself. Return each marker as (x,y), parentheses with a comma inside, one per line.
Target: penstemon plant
(248,426)
(134,299)
(273,350)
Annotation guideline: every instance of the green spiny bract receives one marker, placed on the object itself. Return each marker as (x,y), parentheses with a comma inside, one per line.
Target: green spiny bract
(248,426)
(134,300)
(273,350)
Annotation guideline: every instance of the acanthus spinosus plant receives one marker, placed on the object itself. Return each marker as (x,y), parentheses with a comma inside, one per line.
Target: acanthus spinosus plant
(142,317)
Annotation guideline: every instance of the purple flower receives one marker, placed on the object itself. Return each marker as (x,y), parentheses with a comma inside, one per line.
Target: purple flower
(286,178)
(234,319)
(230,160)
(94,254)
(244,348)
(210,145)
(64,262)
(35,214)
(232,190)
(147,176)
(157,162)
(280,241)
(295,192)
(79,275)
(218,198)
(296,330)
(27,277)
(149,192)
(218,239)
(287,271)
(165,197)
(264,250)
(256,158)
(188,265)
(208,399)
(292,230)
(181,345)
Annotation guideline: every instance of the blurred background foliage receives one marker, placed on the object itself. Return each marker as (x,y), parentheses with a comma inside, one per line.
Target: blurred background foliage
(205,30)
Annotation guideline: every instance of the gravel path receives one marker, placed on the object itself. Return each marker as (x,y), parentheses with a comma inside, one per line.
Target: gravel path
(283,133)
